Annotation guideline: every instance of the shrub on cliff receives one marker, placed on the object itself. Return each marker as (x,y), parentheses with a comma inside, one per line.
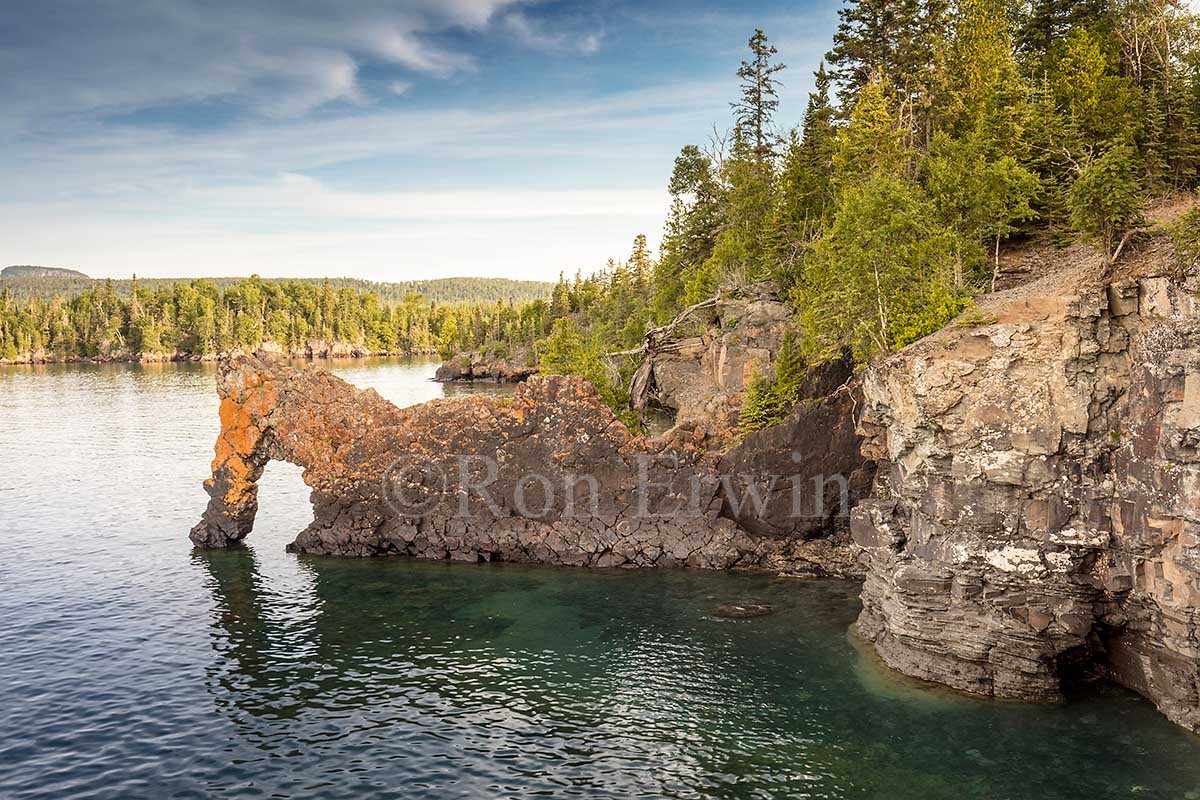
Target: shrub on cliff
(1106,198)
(768,401)
(1186,233)
(882,275)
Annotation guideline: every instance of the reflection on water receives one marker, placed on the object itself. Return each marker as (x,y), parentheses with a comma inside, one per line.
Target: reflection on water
(132,666)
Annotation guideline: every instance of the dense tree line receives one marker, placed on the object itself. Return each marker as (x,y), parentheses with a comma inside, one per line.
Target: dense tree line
(935,133)
(439,291)
(198,318)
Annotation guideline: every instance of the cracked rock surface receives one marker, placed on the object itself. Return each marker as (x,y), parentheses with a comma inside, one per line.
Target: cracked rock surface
(547,475)
(1037,509)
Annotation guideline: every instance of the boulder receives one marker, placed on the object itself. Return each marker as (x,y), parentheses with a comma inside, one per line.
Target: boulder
(478,366)
(698,367)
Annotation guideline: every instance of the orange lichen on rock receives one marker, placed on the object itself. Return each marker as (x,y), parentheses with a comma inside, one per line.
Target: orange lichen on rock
(479,463)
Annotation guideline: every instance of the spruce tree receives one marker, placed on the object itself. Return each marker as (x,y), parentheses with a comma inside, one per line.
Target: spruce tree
(754,110)
(1045,22)
(900,39)
(873,141)
(806,191)
(691,229)
(1106,199)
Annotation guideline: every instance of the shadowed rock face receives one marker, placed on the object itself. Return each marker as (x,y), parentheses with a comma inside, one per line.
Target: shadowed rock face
(547,475)
(1040,490)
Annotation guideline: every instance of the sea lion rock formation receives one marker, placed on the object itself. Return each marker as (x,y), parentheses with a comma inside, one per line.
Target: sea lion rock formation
(547,475)
(1037,510)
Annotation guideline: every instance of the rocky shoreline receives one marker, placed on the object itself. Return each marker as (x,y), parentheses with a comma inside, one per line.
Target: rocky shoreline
(479,366)
(1037,510)
(1020,491)
(548,475)
(311,351)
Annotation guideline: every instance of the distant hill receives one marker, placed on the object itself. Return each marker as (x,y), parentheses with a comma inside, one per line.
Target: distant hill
(28,271)
(440,291)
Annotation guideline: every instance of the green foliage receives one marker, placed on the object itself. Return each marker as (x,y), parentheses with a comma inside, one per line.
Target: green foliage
(805,193)
(769,401)
(753,111)
(897,38)
(742,252)
(567,351)
(882,276)
(197,318)
(873,141)
(883,215)
(1106,198)
(438,292)
(1186,234)
(979,199)
(759,407)
(690,233)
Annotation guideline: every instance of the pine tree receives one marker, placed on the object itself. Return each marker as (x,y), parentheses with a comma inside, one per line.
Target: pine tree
(753,112)
(1045,22)
(1107,197)
(899,39)
(691,230)
(873,141)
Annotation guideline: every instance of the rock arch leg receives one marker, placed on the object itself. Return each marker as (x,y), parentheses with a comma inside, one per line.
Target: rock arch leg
(242,451)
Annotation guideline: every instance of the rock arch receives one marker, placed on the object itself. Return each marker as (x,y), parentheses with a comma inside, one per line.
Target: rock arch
(452,478)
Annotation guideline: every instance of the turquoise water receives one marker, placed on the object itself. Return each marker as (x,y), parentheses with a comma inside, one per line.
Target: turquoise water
(131,666)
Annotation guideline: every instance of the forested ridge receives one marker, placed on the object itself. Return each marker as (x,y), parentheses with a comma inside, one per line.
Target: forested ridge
(439,291)
(937,132)
(125,320)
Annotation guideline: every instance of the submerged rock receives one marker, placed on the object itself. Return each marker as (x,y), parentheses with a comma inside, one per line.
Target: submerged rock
(743,610)
(1038,502)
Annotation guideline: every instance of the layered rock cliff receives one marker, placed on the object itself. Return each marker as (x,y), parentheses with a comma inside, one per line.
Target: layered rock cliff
(548,475)
(1037,511)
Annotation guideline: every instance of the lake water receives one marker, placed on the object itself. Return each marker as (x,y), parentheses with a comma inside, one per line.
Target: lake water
(132,666)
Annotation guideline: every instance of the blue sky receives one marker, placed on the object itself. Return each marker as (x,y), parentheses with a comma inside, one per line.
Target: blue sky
(384,140)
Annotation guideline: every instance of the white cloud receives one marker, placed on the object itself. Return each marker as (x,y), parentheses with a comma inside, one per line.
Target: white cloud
(112,200)
(115,197)
(533,33)
(271,55)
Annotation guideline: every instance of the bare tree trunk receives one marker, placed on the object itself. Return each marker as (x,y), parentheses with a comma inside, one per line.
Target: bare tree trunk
(996,269)
(882,311)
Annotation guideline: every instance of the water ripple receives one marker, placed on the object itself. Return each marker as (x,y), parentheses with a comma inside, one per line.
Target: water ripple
(133,667)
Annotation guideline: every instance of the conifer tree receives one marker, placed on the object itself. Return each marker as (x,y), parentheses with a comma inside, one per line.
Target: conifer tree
(754,110)
(691,229)
(873,141)
(881,276)
(1107,197)
(806,191)
(1044,22)
(899,39)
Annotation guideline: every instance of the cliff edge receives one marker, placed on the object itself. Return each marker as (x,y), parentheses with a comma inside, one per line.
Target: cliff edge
(1037,509)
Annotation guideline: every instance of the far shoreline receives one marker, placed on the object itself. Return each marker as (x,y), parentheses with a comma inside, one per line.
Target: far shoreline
(353,353)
